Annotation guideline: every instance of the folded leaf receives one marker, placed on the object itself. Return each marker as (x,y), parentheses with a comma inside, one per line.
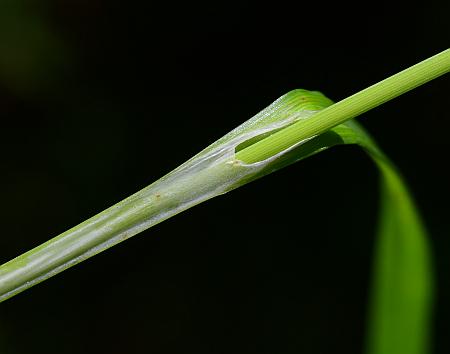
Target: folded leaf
(402,287)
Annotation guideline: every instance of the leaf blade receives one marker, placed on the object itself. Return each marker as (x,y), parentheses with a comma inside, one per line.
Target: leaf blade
(402,286)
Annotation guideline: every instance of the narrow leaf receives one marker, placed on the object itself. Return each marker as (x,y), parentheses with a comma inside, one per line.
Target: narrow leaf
(402,286)
(402,289)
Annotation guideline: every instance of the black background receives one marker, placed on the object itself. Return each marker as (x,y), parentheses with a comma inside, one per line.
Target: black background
(100,98)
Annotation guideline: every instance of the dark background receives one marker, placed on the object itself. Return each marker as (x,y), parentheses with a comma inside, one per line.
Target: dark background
(99,98)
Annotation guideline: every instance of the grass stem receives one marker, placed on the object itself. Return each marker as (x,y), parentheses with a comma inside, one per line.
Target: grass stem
(348,108)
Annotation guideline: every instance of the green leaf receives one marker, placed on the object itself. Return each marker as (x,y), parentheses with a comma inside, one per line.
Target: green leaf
(402,289)
(402,286)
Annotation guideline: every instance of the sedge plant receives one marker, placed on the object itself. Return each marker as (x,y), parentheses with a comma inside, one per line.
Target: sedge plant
(297,125)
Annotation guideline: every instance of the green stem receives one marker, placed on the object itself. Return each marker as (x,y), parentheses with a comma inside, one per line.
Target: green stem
(348,108)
